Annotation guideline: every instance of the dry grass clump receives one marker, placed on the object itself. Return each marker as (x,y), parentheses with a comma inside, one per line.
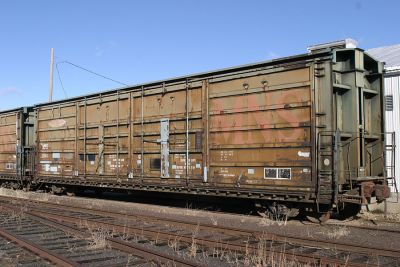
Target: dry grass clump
(213,220)
(265,255)
(269,219)
(174,244)
(98,239)
(335,232)
(98,236)
(193,246)
(16,215)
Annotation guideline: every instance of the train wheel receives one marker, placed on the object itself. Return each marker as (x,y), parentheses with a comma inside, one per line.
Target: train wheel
(15,186)
(317,217)
(27,187)
(55,190)
(325,217)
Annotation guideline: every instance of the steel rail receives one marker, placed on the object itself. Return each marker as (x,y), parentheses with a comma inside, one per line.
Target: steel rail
(180,223)
(360,227)
(186,224)
(43,253)
(131,248)
(207,242)
(116,243)
(316,260)
(234,231)
(189,225)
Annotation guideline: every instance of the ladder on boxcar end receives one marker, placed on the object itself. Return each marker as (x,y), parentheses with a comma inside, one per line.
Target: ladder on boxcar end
(326,168)
(26,162)
(390,161)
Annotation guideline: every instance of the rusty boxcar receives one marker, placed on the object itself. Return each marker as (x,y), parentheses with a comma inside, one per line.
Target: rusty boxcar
(16,146)
(293,131)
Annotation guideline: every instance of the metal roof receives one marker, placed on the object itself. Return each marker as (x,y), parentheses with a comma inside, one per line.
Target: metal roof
(346,43)
(388,54)
(200,75)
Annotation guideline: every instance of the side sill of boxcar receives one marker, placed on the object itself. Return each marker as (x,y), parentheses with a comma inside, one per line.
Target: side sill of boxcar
(284,194)
(14,181)
(5,176)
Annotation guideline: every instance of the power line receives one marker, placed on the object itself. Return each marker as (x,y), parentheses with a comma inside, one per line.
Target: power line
(92,72)
(59,78)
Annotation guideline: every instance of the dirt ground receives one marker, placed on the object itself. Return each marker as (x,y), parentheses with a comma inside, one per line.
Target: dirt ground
(376,211)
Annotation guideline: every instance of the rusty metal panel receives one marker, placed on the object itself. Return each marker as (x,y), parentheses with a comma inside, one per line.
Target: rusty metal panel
(103,145)
(84,137)
(56,139)
(168,105)
(261,122)
(290,77)
(9,142)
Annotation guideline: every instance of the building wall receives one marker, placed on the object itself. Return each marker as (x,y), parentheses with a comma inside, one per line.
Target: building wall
(392,87)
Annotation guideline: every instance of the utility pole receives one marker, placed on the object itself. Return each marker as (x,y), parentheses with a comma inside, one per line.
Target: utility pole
(51,75)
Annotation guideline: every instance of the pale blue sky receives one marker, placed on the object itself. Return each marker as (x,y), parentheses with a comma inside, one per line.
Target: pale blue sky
(139,41)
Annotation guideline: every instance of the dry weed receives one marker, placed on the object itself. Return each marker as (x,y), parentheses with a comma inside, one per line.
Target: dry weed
(174,244)
(98,239)
(17,216)
(273,220)
(213,220)
(336,232)
(266,255)
(71,247)
(193,246)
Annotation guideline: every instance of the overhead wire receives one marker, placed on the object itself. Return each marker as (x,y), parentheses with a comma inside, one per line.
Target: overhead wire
(85,69)
(92,72)
(59,78)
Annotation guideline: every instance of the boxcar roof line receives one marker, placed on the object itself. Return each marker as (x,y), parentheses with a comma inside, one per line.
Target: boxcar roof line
(11,110)
(196,75)
(191,76)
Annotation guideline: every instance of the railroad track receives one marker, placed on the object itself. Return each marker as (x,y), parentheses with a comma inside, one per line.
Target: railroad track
(13,253)
(190,225)
(359,227)
(211,237)
(45,242)
(55,246)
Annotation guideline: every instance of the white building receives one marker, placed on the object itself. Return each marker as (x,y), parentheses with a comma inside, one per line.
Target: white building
(391,56)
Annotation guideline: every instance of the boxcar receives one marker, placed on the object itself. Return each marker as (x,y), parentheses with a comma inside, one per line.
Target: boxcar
(299,130)
(16,146)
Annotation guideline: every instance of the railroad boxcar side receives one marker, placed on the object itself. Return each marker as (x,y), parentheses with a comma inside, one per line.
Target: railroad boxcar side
(84,138)
(8,142)
(246,130)
(302,129)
